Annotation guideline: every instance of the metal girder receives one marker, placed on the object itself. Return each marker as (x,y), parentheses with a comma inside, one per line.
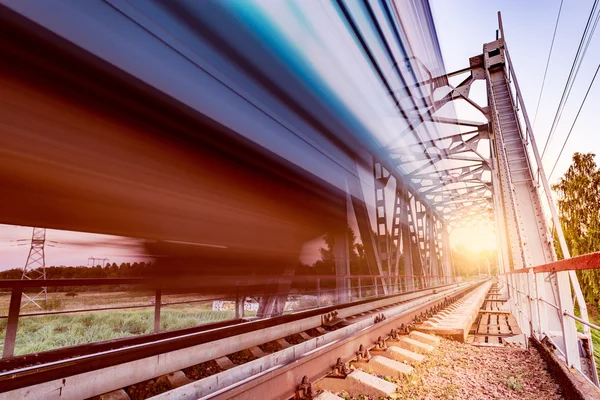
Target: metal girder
(369,239)
(522,230)
(430,173)
(381,177)
(342,255)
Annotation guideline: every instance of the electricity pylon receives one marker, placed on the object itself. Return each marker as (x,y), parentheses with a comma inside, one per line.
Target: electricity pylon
(35,267)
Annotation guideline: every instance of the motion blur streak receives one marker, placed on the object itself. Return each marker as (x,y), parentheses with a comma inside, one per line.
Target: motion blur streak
(240,126)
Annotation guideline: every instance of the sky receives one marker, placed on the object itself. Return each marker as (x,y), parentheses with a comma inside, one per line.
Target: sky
(66,248)
(463,27)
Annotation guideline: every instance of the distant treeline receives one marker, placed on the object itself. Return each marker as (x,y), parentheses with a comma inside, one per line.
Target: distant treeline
(125,270)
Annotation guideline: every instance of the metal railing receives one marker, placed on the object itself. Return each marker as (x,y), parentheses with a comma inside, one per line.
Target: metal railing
(522,286)
(324,290)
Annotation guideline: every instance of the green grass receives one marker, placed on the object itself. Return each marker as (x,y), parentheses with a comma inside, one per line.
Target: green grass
(514,384)
(43,333)
(596,342)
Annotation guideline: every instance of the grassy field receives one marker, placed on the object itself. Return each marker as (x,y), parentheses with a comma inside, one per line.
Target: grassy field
(48,332)
(84,300)
(596,341)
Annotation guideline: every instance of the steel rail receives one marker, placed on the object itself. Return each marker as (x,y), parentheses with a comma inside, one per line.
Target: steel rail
(281,381)
(276,327)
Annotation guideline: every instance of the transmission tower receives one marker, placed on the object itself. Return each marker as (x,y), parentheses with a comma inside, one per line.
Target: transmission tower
(35,267)
(94,260)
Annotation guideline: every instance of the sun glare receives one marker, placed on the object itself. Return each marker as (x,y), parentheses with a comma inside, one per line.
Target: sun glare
(474,239)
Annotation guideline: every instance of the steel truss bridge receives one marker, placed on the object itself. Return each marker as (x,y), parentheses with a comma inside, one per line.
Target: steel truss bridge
(231,133)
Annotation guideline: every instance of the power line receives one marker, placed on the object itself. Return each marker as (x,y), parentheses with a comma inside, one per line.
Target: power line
(581,51)
(574,121)
(547,63)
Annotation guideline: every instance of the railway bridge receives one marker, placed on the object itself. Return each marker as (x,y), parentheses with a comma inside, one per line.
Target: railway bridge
(227,136)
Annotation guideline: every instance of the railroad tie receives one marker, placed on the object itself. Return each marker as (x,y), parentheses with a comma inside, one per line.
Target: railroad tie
(224,363)
(326,395)
(415,345)
(400,354)
(425,338)
(118,394)
(359,383)
(175,379)
(390,362)
(385,366)
(455,320)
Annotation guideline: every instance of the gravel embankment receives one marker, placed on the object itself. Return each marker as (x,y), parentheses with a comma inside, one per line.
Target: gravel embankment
(461,371)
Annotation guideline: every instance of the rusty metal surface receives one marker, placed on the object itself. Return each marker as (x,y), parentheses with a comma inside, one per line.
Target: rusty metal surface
(586,261)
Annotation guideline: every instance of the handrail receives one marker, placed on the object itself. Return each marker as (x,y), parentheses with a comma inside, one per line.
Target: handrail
(550,304)
(593,326)
(583,262)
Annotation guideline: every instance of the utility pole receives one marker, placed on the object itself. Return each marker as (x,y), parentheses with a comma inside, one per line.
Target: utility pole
(35,267)
(103,261)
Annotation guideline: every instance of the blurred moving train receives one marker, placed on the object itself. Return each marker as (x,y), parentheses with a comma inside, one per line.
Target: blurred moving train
(226,134)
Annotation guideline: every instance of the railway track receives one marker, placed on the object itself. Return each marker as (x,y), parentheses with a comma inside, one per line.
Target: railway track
(324,336)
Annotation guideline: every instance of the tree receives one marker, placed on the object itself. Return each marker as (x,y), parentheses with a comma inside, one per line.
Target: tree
(579,209)
(326,265)
(358,261)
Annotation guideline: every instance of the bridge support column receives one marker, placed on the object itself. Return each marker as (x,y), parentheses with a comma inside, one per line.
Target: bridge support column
(12,323)
(342,257)
(366,232)
(447,269)
(157,304)
(274,304)
(409,273)
(565,304)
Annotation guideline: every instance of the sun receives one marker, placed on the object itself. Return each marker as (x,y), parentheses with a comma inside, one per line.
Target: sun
(475,239)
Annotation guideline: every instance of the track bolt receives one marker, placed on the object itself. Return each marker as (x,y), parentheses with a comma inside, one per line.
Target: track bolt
(363,354)
(380,345)
(394,333)
(304,390)
(340,370)
(379,318)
